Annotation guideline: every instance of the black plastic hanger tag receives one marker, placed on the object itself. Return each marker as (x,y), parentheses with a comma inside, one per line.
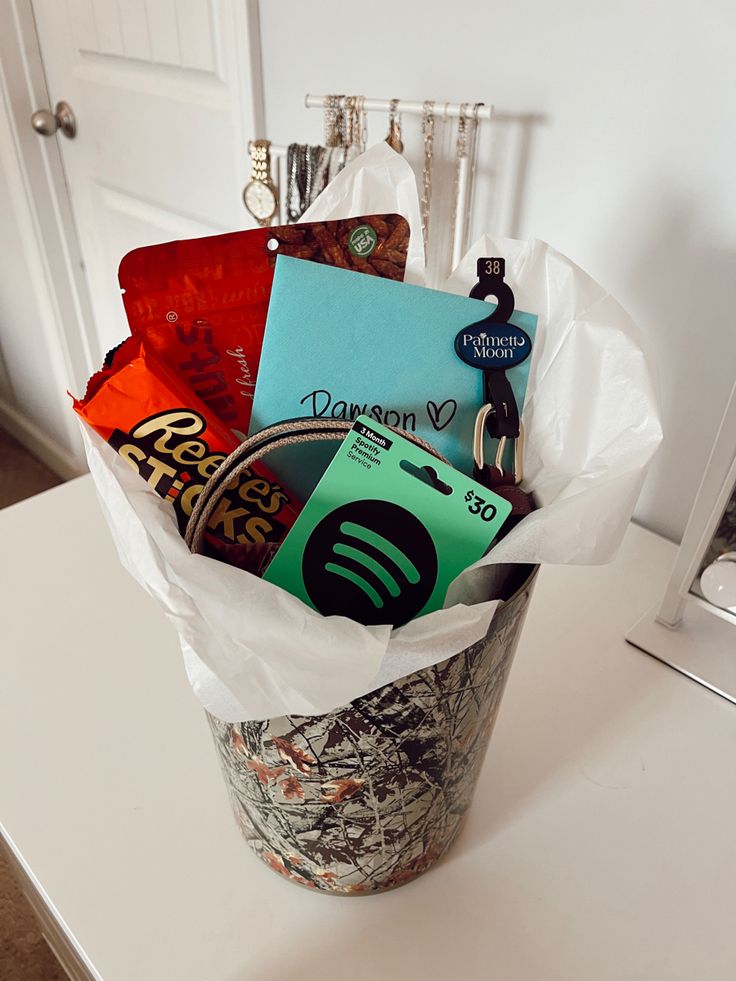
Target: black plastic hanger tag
(491,273)
(494,345)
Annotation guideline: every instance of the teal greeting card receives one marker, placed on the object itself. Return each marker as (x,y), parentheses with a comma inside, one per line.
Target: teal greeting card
(341,344)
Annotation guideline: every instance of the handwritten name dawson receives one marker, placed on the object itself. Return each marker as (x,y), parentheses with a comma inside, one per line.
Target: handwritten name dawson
(321,403)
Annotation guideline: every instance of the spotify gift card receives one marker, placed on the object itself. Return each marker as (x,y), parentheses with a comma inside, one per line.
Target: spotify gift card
(386,531)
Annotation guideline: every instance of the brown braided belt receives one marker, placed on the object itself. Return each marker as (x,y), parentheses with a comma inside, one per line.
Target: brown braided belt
(288,433)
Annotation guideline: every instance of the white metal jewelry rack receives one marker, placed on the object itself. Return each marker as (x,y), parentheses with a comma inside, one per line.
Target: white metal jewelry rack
(442,111)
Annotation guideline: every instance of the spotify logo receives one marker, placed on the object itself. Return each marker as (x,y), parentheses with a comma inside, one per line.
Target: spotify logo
(372,561)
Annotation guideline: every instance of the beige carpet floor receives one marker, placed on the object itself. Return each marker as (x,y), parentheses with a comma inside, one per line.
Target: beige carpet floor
(21,474)
(24,955)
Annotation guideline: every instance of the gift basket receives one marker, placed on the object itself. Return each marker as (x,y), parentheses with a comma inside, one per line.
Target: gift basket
(339,485)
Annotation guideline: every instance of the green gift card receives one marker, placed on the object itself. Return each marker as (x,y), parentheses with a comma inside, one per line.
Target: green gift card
(386,531)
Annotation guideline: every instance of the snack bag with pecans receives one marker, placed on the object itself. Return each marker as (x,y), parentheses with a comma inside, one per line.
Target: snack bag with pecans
(175,443)
(201,304)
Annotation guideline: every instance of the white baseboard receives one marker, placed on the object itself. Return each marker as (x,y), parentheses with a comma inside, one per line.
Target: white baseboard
(64,464)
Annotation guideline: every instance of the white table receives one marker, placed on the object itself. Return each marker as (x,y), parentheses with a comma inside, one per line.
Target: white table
(601,844)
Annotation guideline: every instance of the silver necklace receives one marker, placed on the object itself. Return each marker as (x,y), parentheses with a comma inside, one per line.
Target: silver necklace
(428,134)
(334,120)
(461,153)
(473,156)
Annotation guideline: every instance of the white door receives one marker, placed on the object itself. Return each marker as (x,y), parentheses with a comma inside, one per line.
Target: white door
(163,94)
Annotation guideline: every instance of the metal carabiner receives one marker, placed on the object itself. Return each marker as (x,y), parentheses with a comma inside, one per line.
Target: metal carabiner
(478,436)
(478,454)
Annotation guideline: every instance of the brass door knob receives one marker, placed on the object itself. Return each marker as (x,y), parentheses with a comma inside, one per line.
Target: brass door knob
(46,122)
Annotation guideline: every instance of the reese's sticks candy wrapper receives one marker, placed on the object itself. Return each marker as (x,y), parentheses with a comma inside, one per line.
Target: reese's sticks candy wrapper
(201,304)
(175,443)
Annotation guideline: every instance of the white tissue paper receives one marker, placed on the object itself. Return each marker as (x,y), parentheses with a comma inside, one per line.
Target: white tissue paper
(252,651)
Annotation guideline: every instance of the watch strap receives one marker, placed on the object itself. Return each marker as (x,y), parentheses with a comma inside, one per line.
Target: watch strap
(260,159)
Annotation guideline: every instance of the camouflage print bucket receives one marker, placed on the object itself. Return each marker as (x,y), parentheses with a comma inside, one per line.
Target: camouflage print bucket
(370,795)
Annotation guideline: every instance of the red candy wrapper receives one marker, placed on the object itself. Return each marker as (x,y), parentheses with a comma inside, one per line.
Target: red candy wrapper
(201,304)
(173,440)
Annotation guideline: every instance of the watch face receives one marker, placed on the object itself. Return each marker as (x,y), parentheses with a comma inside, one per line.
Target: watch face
(259,199)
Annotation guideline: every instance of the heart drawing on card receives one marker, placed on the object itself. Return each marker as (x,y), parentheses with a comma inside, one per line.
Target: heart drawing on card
(443,414)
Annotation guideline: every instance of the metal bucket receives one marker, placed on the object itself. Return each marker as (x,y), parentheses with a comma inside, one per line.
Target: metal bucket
(371,795)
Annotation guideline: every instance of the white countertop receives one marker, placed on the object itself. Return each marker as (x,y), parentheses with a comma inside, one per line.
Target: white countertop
(601,845)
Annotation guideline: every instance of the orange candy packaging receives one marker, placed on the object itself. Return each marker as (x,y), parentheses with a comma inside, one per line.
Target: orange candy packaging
(175,443)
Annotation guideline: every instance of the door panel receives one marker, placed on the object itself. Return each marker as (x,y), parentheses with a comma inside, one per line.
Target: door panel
(164,113)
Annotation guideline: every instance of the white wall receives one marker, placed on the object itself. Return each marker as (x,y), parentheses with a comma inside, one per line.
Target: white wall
(630,172)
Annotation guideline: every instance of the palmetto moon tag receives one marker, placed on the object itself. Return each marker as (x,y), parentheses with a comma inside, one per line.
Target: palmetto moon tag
(493,346)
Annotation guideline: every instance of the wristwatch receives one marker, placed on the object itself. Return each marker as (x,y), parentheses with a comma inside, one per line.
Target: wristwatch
(259,195)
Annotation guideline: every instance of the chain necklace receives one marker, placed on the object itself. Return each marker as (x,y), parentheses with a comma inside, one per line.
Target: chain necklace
(293,204)
(303,163)
(394,127)
(473,156)
(329,119)
(334,120)
(311,154)
(461,153)
(350,123)
(428,133)
(362,118)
